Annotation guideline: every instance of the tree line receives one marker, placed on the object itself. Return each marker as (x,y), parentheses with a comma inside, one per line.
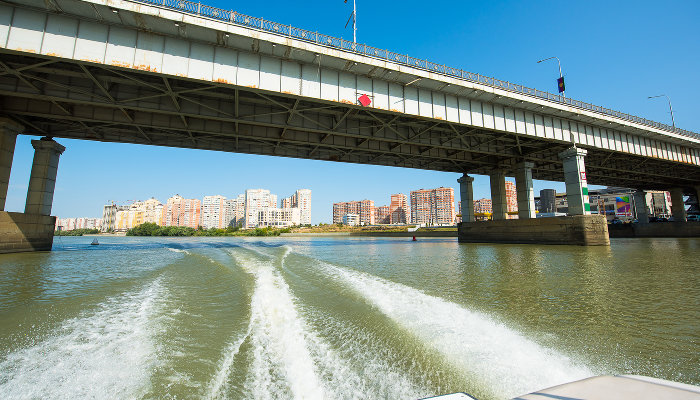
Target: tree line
(152,229)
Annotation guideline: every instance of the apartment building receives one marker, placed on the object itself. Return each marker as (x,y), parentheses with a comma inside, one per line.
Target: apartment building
(433,206)
(483,206)
(301,199)
(382,215)
(256,200)
(179,211)
(214,213)
(279,217)
(511,200)
(399,211)
(363,208)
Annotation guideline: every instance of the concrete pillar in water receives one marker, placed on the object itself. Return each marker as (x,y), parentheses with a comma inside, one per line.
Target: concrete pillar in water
(42,181)
(8,136)
(677,205)
(525,190)
(575,179)
(466,195)
(498,195)
(640,206)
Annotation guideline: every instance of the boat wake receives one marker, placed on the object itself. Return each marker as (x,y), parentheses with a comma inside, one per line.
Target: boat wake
(106,354)
(503,360)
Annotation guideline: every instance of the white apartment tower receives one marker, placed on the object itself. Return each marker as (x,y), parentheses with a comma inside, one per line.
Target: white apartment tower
(214,212)
(301,199)
(256,200)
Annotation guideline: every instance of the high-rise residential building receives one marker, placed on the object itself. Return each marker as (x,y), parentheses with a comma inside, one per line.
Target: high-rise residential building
(153,211)
(363,208)
(214,213)
(255,201)
(109,217)
(303,203)
(301,199)
(511,200)
(433,206)
(179,211)
(399,210)
(235,209)
(483,206)
(382,215)
(287,202)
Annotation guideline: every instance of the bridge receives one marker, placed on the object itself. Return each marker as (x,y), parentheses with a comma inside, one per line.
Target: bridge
(183,74)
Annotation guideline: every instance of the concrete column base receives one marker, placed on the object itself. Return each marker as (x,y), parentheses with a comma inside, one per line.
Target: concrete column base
(25,232)
(582,230)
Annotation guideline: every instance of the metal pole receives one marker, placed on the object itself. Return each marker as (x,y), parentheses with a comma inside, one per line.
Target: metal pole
(563,93)
(354,22)
(670,107)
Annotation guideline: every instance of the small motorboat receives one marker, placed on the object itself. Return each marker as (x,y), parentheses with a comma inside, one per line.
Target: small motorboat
(95,242)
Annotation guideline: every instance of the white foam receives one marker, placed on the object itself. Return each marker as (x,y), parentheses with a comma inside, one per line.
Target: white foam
(282,365)
(178,250)
(504,360)
(107,354)
(219,382)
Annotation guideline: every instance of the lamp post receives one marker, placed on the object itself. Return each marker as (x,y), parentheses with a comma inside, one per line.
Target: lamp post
(354,21)
(561,77)
(673,120)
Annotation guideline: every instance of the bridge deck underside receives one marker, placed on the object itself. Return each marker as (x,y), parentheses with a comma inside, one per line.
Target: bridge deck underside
(82,100)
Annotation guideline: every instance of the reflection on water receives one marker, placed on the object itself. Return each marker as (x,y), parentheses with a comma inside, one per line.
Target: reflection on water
(341,317)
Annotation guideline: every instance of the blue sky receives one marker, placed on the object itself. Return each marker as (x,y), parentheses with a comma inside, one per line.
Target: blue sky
(613,53)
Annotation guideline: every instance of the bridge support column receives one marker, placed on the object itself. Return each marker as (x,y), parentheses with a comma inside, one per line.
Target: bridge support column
(575,179)
(499,200)
(42,181)
(525,190)
(677,205)
(466,195)
(640,207)
(8,136)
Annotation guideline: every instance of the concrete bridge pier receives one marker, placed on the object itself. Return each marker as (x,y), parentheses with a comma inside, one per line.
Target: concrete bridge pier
(575,180)
(466,193)
(677,205)
(580,228)
(42,180)
(640,206)
(525,190)
(32,230)
(8,136)
(499,201)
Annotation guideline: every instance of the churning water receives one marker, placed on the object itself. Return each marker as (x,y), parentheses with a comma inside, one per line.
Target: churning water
(341,318)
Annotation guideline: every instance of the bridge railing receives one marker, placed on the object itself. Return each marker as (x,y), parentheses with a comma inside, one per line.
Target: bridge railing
(236,18)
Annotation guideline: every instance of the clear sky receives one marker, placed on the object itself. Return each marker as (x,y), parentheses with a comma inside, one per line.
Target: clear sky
(613,53)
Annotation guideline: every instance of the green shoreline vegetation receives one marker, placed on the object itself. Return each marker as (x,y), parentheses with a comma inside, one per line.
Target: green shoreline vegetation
(151,229)
(76,232)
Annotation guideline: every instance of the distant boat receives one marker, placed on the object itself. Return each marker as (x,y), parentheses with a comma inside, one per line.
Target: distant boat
(95,242)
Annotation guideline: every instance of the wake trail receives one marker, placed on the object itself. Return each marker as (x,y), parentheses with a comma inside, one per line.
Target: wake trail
(505,360)
(108,354)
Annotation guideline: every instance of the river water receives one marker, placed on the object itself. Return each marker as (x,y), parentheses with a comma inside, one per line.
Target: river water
(341,318)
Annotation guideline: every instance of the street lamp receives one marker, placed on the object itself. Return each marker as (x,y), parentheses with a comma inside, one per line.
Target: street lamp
(673,120)
(560,81)
(354,21)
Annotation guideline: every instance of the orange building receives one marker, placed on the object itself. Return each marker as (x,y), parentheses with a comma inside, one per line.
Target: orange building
(179,211)
(400,213)
(511,199)
(363,208)
(382,215)
(433,206)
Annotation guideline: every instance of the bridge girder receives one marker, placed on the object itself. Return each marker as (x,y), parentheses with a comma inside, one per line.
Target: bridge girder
(81,100)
